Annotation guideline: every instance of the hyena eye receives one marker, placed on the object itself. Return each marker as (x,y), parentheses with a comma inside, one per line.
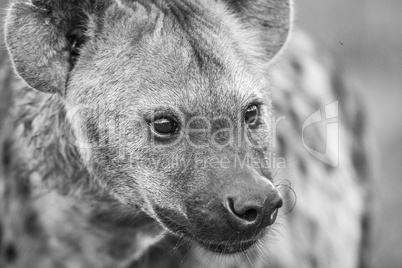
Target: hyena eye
(251,116)
(165,126)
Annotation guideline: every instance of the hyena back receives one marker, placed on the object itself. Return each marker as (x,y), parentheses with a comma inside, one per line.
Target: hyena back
(154,123)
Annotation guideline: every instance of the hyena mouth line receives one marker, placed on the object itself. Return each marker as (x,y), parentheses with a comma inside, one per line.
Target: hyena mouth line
(227,248)
(223,247)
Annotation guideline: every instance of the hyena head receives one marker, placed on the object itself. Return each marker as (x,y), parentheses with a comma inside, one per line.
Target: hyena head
(168,103)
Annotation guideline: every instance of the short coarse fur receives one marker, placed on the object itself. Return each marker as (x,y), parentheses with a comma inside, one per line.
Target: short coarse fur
(103,195)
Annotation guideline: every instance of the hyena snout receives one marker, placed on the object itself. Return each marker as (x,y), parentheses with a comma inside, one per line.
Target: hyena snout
(252,205)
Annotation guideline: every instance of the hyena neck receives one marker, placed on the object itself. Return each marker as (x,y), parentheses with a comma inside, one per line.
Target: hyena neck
(62,183)
(99,231)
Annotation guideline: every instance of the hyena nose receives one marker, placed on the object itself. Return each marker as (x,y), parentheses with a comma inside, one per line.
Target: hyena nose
(250,211)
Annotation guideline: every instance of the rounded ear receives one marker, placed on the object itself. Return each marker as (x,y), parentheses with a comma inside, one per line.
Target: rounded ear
(43,38)
(271,18)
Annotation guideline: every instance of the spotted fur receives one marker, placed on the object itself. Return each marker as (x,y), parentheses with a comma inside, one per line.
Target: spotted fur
(72,206)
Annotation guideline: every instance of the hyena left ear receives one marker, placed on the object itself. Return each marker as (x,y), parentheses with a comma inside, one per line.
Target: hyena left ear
(271,18)
(43,38)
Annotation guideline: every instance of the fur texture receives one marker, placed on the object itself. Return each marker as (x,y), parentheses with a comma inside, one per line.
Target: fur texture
(106,192)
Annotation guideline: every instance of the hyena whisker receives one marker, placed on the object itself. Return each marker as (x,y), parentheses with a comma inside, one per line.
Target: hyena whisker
(292,199)
(288,186)
(179,242)
(286,195)
(184,257)
(248,258)
(287,181)
(260,251)
(171,250)
(276,172)
(273,233)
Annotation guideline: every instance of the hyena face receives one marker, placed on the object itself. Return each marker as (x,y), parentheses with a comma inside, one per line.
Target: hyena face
(170,108)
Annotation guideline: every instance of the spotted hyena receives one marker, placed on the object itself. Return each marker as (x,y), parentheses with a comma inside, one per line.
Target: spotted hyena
(175,133)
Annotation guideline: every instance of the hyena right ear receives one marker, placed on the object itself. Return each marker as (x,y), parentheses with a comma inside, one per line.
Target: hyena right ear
(43,38)
(269,19)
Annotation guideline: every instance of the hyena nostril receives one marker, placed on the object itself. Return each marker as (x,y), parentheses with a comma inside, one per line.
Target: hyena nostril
(250,215)
(243,213)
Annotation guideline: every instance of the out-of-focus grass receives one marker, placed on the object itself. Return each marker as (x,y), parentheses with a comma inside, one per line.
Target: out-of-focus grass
(370,31)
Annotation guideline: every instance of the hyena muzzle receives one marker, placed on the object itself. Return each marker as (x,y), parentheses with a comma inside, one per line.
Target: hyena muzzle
(164,129)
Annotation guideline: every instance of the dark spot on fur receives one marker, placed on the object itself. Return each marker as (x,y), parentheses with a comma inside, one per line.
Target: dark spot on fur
(312,229)
(302,166)
(297,66)
(366,240)
(23,187)
(1,236)
(351,106)
(31,223)
(10,253)
(295,119)
(359,123)
(329,168)
(281,145)
(6,159)
(313,261)
(339,88)
(120,247)
(93,131)
(360,162)
(27,126)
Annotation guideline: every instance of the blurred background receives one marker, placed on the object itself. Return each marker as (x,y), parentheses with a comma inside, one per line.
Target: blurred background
(365,37)
(370,32)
